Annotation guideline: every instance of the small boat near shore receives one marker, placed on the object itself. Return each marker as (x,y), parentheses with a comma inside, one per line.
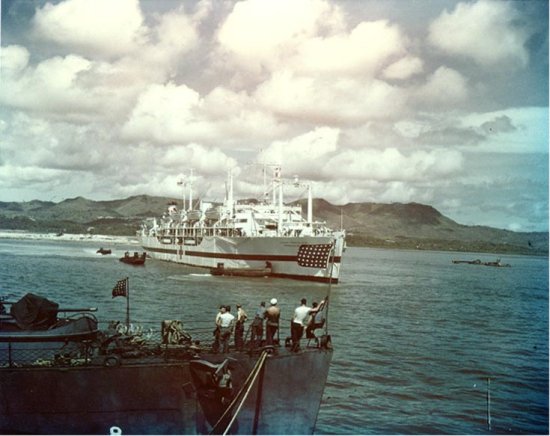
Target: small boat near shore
(221,270)
(470,262)
(104,251)
(136,259)
(496,263)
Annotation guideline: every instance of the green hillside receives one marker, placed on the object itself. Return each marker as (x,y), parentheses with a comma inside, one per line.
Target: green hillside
(397,225)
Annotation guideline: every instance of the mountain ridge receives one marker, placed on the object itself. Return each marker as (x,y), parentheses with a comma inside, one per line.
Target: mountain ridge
(395,225)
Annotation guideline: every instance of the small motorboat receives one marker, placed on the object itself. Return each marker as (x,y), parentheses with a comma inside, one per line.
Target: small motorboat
(221,270)
(136,259)
(104,251)
(469,262)
(497,263)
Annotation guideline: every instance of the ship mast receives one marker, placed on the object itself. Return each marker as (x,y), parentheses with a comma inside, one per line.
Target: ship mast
(278,179)
(265,193)
(297,184)
(181,182)
(273,186)
(191,190)
(229,199)
(309,205)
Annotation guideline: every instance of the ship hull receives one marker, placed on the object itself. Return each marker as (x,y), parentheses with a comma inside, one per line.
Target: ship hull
(290,395)
(249,252)
(141,397)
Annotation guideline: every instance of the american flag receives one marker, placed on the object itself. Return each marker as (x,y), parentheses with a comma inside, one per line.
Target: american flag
(121,288)
(314,255)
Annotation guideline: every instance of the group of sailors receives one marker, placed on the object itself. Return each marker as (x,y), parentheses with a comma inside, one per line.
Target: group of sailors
(305,319)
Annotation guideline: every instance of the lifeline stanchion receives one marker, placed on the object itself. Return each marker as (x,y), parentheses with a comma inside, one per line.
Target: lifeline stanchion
(489,403)
(330,257)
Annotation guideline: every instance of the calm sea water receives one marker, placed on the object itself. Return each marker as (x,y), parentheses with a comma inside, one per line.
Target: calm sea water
(419,341)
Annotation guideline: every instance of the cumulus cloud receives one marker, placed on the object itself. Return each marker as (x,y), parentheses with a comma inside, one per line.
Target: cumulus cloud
(239,117)
(444,87)
(363,50)
(306,97)
(100,78)
(391,164)
(205,161)
(307,61)
(176,113)
(11,176)
(404,68)
(123,50)
(98,28)
(261,34)
(176,29)
(487,31)
(38,142)
(172,35)
(397,192)
(14,59)
(308,37)
(354,97)
(49,86)
(166,114)
(302,154)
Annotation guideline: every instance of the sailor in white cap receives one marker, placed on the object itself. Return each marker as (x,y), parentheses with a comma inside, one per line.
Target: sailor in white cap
(272,315)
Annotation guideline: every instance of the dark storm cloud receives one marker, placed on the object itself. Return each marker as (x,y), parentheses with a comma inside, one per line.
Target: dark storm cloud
(502,124)
(451,136)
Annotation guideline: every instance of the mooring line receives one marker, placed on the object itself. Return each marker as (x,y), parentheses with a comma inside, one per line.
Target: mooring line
(248,386)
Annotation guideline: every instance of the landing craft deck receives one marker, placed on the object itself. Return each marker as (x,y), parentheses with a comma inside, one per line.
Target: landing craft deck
(251,235)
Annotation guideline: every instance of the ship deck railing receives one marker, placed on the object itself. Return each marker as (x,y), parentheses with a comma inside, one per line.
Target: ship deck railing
(222,228)
(146,340)
(147,343)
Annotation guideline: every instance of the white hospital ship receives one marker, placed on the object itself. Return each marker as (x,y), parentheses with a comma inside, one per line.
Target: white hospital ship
(247,237)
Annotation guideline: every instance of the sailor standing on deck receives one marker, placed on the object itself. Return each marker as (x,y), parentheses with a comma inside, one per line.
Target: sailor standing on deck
(239,327)
(298,322)
(257,328)
(217,335)
(313,324)
(272,315)
(226,322)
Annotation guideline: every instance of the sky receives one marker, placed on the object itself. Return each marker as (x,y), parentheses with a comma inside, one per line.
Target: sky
(439,102)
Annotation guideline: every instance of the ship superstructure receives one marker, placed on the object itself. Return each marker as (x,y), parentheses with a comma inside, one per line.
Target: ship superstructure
(248,235)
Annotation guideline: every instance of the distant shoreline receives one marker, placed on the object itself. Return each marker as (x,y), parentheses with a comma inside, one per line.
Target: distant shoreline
(17,234)
(412,244)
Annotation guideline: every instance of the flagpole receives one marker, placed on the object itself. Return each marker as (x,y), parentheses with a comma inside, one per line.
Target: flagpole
(127,302)
(330,255)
